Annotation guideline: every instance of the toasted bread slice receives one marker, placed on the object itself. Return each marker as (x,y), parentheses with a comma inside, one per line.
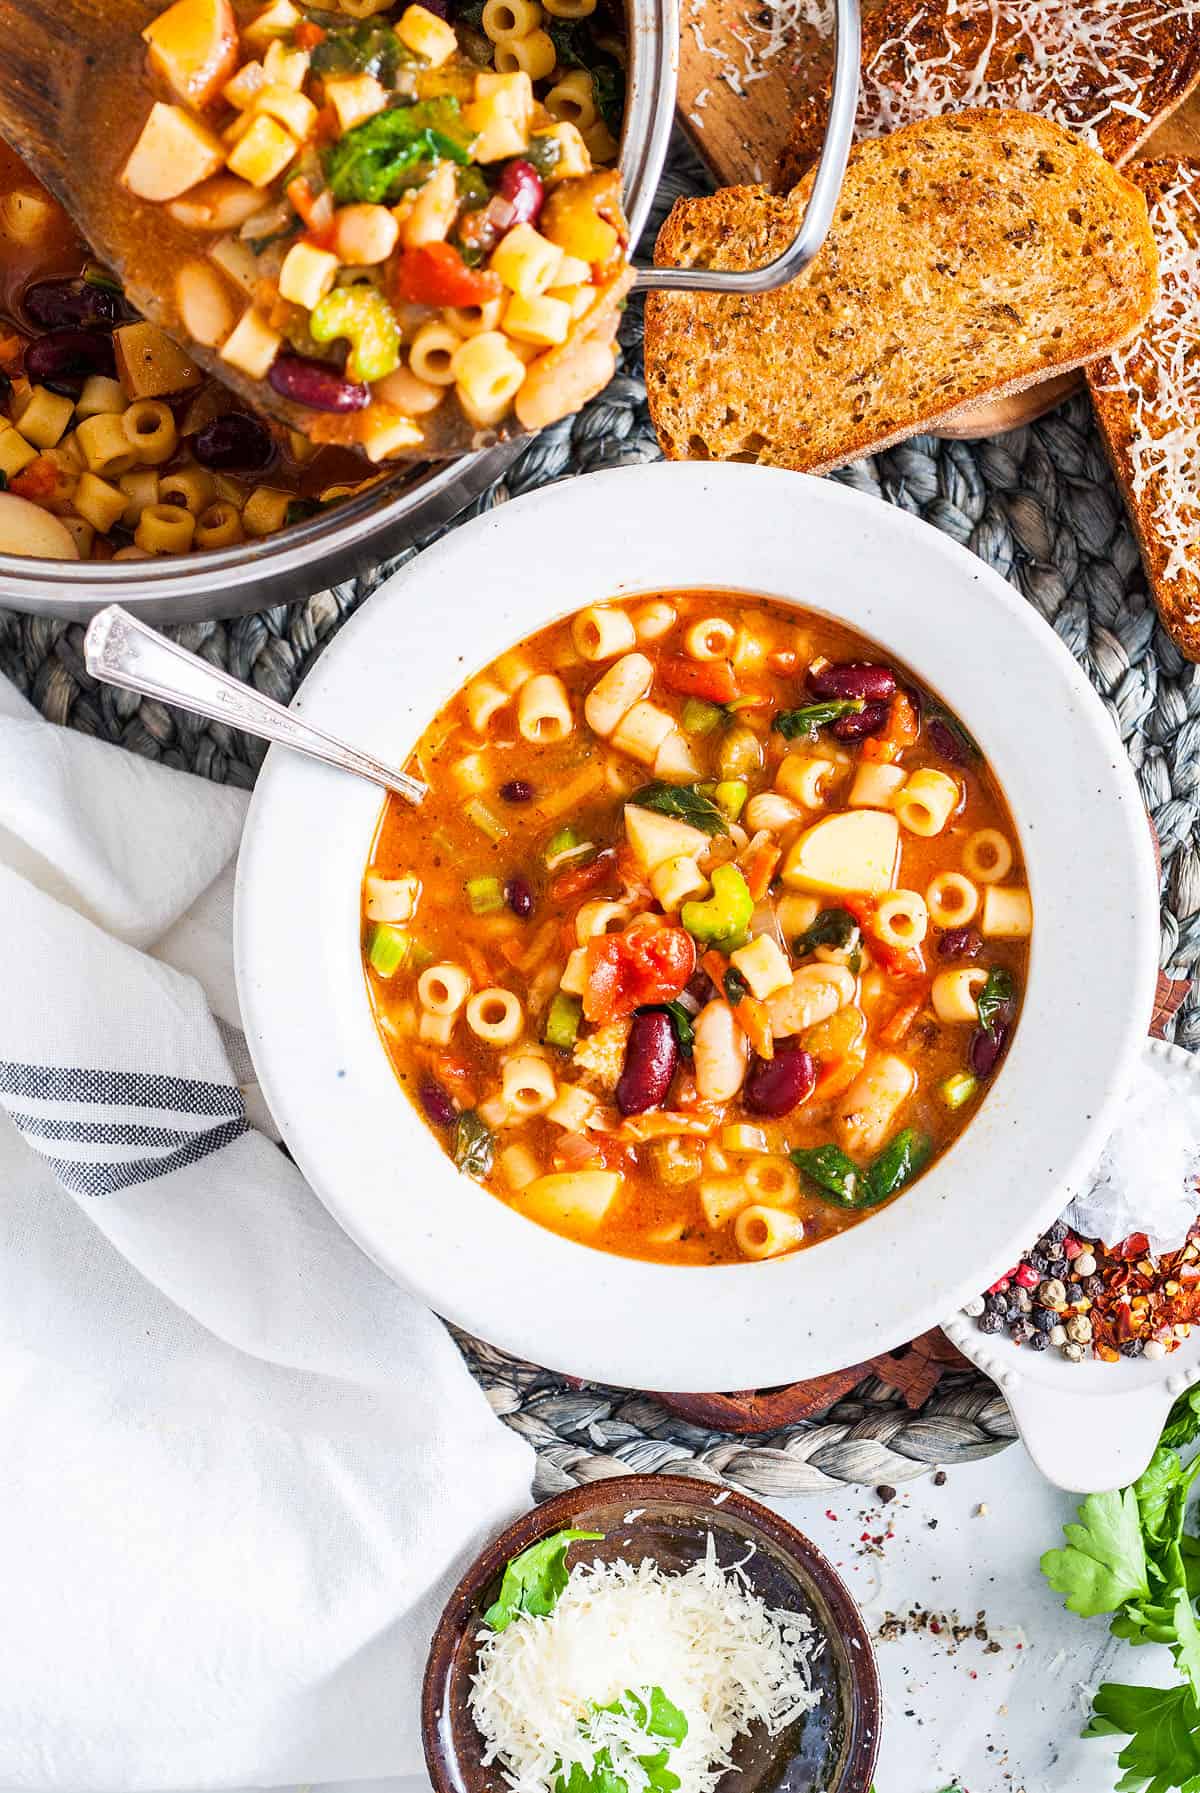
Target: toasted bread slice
(1147,402)
(969,257)
(1109,69)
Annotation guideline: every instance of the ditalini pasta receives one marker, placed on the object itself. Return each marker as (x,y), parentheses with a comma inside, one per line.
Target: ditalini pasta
(703,944)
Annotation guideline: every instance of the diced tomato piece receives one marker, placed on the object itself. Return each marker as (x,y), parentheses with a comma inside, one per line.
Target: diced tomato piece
(899,961)
(647,963)
(307,36)
(578,878)
(327,126)
(758,868)
(436,274)
(900,1024)
(711,679)
(316,209)
(37,482)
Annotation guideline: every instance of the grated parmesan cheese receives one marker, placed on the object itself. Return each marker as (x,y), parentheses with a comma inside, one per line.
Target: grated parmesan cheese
(1076,61)
(704,1637)
(1157,377)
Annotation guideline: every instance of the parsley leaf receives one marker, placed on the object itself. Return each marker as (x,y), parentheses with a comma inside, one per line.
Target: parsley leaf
(367,48)
(684,801)
(810,717)
(681,1021)
(534,1581)
(378,158)
(994,998)
(833,927)
(1163,1727)
(1104,1564)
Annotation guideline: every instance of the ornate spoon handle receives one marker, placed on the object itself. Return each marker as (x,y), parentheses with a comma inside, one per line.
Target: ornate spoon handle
(120,650)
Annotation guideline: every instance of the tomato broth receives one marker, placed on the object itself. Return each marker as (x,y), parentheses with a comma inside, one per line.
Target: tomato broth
(710,935)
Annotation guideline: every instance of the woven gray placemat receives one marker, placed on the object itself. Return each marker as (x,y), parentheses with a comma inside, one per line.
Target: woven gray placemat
(1039,504)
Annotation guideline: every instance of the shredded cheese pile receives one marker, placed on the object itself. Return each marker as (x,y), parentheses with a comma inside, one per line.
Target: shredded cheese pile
(1158,375)
(1076,61)
(713,1646)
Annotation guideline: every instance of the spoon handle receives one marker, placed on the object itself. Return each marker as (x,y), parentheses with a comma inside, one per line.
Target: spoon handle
(120,650)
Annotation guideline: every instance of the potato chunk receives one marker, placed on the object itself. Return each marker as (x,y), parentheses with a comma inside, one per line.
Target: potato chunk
(149,364)
(194,47)
(845,854)
(654,838)
(174,153)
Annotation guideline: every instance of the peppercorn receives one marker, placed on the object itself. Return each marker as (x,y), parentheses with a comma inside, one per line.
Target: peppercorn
(1059,1268)
(1085,1264)
(1039,1259)
(1075,1293)
(1132,1347)
(1053,1293)
(991,1321)
(1044,1319)
(995,1304)
(1079,1328)
(975,1306)
(1093,1286)
(1039,1342)
(1058,1335)
(1020,1331)
(1072,1352)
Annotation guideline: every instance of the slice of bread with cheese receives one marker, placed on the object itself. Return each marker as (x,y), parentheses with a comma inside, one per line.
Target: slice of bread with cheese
(969,257)
(1109,69)
(1147,402)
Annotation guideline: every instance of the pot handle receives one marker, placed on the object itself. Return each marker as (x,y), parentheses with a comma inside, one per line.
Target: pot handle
(1086,1443)
(818,213)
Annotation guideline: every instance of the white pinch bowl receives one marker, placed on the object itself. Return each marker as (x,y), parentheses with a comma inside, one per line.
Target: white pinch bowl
(1083,834)
(1088,1426)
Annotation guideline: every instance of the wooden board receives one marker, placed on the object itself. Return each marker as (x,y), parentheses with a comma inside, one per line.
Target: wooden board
(741,136)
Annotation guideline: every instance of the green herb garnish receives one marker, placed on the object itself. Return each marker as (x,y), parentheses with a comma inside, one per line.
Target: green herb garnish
(681,1020)
(834,1174)
(830,1169)
(380,157)
(608,84)
(474,1145)
(994,998)
(736,987)
(832,927)
(367,48)
(685,801)
(299,510)
(534,1581)
(791,724)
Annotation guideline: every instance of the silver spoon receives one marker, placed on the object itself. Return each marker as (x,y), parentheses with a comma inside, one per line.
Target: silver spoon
(120,650)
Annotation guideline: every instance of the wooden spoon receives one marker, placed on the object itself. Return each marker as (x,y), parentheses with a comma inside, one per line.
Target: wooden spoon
(74,95)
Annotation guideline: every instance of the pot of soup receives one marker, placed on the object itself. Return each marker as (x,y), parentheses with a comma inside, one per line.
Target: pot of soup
(752,981)
(128,474)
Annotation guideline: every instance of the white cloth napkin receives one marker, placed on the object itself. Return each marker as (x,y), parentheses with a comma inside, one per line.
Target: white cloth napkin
(239,1468)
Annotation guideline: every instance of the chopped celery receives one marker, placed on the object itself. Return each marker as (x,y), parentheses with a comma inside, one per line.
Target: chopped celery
(700,717)
(564,845)
(730,797)
(959,1089)
(485,819)
(419,956)
(562,1021)
(388,948)
(485,895)
(723,919)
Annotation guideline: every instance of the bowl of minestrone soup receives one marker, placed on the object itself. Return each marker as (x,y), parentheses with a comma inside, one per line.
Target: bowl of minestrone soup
(761,966)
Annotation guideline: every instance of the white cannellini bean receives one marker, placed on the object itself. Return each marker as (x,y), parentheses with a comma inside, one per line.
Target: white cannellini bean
(719,1053)
(815,993)
(868,1108)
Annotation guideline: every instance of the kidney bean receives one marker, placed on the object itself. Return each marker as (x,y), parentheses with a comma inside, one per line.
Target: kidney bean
(944,741)
(987,1049)
(234,443)
(959,943)
(70,356)
(519,898)
(517,790)
(437,1102)
(774,1086)
(70,304)
(651,1055)
(861,723)
(440,7)
(316,385)
(521,184)
(853,678)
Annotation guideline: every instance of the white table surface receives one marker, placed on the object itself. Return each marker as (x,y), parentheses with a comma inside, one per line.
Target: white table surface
(1005,1721)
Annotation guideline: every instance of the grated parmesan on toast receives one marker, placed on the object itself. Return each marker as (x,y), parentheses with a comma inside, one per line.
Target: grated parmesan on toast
(1110,69)
(969,258)
(1147,403)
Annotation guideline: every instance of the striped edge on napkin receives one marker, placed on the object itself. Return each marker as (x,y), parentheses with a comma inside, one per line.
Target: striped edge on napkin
(241,1467)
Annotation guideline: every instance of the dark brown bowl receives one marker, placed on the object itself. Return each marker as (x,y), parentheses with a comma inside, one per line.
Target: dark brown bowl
(832,1749)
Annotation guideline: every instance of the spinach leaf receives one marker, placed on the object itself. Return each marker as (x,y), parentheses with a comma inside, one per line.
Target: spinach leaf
(681,1020)
(830,1169)
(534,1581)
(374,161)
(473,1144)
(570,37)
(995,997)
(736,987)
(810,717)
(368,48)
(833,927)
(608,81)
(576,47)
(948,735)
(900,1161)
(684,801)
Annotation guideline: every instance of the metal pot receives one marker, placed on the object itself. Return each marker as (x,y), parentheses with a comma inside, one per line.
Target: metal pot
(355,536)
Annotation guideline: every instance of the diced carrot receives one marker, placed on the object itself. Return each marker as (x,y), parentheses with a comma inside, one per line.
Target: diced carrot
(326,126)
(758,868)
(901,731)
(900,1024)
(578,878)
(716,967)
(837,1075)
(316,209)
(38,482)
(754,1020)
(783,660)
(307,36)
(481,971)
(455,1074)
(10,351)
(710,679)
